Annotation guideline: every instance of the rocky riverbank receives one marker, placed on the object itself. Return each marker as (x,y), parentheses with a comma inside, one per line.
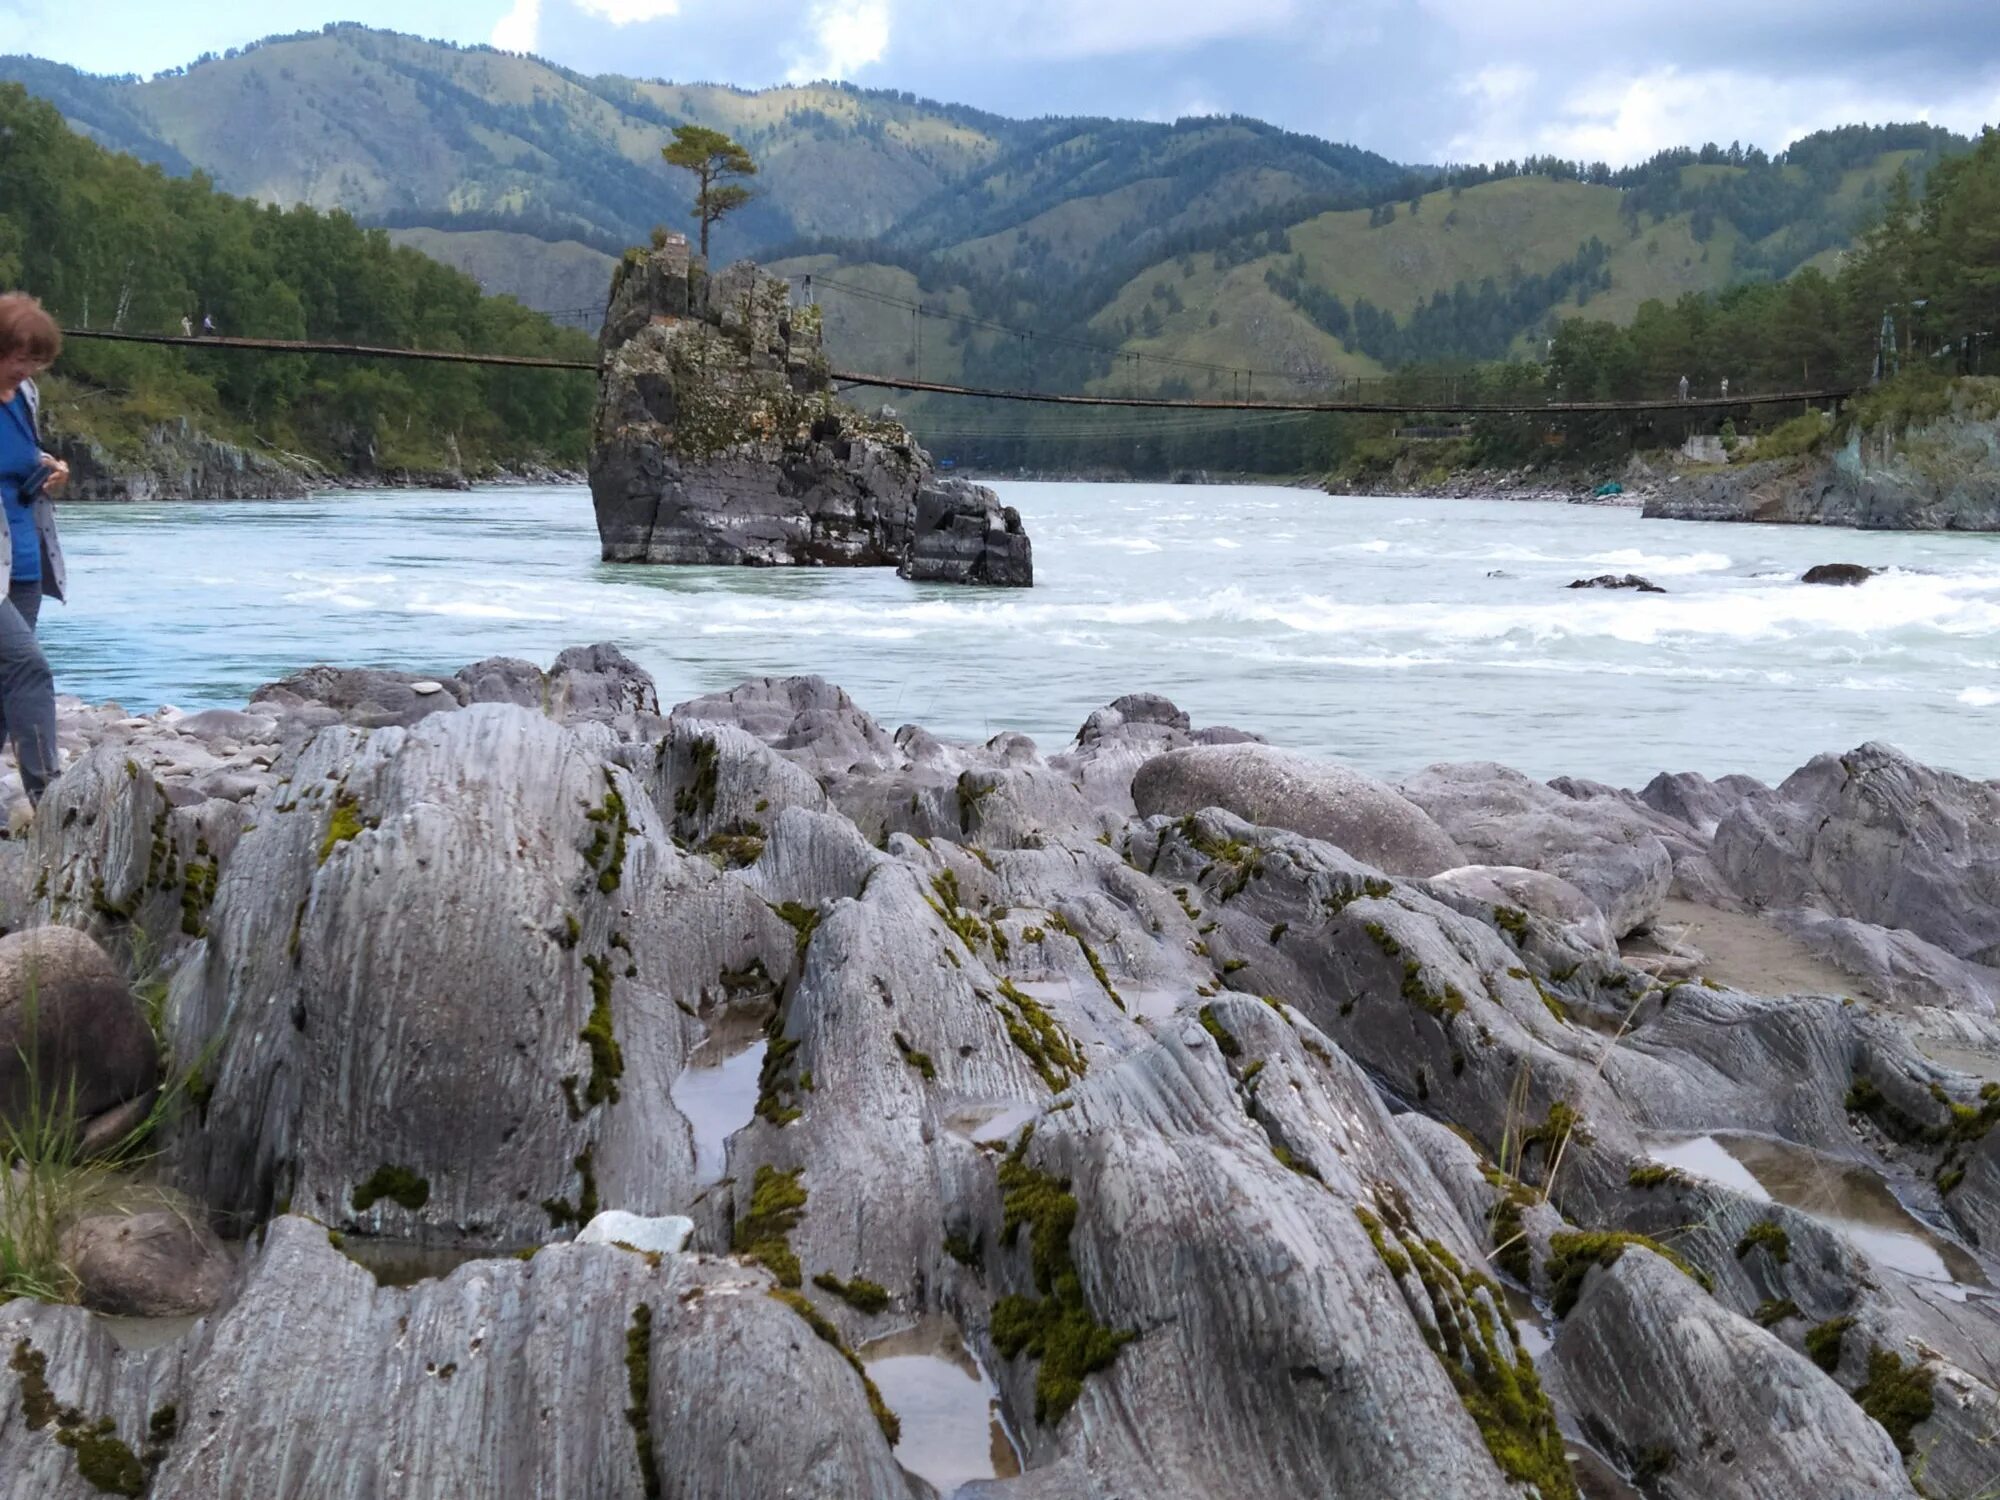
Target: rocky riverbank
(178,461)
(1261,1128)
(1939,472)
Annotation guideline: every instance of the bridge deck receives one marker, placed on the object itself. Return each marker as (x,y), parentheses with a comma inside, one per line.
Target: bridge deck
(1046,398)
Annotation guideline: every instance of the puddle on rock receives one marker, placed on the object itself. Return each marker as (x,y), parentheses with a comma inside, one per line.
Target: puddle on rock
(953,1432)
(1980,1064)
(394,1263)
(136,1335)
(1596,1479)
(717,1093)
(1848,1198)
(1528,1321)
(995,1121)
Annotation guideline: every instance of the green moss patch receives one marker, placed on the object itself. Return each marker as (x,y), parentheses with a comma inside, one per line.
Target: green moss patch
(607,1058)
(1896,1395)
(397,1184)
(763,1233)
(103,1459)
(1040,1038)
(639,1387)
(1224,1041)
(804,920)
(1771,1313)
(1057,1327)
(1475,1340)
(1824,1340)
(345,824)
(860,1294)
(921,1061)
(1572,1255)
(606,854)
(1771,1236)
(561,1211)
(696,799)
(1654,1174)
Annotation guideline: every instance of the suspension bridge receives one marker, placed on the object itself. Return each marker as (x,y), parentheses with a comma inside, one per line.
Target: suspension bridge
(1386,404)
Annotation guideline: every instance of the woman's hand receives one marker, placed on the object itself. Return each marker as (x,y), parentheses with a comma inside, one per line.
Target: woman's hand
(55,475)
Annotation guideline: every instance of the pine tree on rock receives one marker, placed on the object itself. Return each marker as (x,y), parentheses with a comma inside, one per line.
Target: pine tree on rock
(713,158)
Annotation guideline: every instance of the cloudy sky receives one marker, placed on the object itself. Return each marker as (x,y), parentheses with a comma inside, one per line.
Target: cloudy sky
(1419,80)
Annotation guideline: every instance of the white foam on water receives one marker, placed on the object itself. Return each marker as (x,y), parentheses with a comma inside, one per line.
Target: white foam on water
(1980,697)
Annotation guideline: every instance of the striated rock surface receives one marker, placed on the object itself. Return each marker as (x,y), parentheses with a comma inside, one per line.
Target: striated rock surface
(1247,1162)
(717,439)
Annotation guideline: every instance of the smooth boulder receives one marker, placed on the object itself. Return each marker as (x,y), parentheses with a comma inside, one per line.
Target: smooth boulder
(1319,799)
(156,1264)
(1606,849)
(70,1030)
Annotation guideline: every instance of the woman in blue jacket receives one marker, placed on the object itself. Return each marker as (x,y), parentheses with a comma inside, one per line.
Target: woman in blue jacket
(29,481)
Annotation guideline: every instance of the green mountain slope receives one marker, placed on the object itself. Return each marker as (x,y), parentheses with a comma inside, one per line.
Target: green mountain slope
(1196,256)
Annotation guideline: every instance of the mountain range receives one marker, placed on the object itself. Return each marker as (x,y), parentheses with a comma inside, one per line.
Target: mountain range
(1060,252)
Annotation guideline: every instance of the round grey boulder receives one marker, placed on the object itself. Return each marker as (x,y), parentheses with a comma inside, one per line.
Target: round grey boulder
(69,1027)
(1316,798)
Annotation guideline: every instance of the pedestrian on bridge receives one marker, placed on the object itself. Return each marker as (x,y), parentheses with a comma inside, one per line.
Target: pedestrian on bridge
(1684,387)
(1725,388)
(30,479)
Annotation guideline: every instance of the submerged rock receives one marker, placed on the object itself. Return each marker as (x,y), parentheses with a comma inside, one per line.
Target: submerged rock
(1837,573)
(1619,581)
(717,439)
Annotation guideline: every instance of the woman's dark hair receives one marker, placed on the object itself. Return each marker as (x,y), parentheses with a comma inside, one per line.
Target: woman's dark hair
(26,328)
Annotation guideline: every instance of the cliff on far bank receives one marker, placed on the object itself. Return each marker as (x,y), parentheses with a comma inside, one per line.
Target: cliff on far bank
(1928,462)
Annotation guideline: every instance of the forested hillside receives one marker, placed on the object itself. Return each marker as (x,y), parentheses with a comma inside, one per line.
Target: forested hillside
(1206,256)
(109,242)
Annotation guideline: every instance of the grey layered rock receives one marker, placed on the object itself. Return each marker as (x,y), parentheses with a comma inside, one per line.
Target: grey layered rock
(588,1370)
(1319,799)
(959,535)
(451,973)
(717,439)
(1609,851)
(1546,896)
(72,1037)
(341,1083)
(1710,1403)
(1875,836)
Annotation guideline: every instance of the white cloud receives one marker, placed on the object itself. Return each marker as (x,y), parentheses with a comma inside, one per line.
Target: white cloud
(1513,112)
(520,30)
(628,12)
(1109,28)
(847,36)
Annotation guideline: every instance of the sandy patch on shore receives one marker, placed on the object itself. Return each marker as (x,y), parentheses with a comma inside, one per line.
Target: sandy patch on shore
(1747,953)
